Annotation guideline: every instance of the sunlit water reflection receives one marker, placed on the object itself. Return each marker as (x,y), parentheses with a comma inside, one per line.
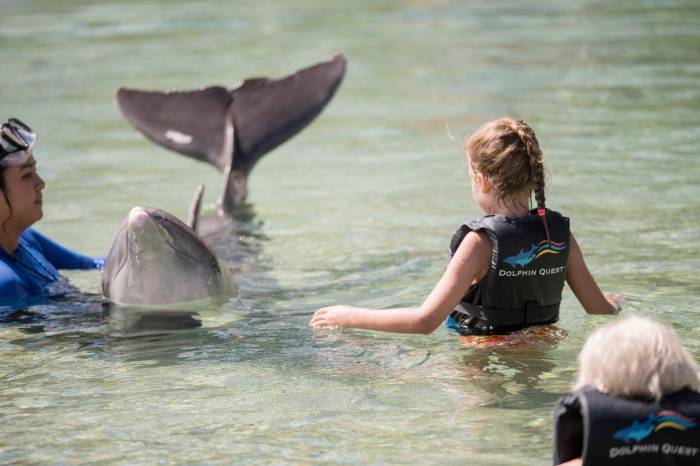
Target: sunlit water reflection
(358,208)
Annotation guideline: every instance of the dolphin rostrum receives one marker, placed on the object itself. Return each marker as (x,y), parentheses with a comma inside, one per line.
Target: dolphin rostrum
(158,260)
(233,129)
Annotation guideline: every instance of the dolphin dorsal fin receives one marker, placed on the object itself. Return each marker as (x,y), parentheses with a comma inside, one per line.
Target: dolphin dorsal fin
(195,205)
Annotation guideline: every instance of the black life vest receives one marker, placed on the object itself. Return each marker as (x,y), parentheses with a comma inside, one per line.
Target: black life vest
(608,430)
(524,283)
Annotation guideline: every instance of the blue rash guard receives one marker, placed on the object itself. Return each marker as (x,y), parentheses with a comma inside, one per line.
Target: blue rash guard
(33,267)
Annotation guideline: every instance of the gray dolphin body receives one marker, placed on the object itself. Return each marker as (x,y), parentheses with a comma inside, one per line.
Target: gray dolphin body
(158,260)
(233,129)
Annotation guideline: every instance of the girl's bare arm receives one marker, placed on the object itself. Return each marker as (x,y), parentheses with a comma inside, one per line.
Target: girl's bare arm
(471,260)
(584,286)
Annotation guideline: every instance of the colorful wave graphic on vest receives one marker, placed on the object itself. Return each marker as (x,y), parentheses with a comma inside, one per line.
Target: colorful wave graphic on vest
(524,257)
(639,430)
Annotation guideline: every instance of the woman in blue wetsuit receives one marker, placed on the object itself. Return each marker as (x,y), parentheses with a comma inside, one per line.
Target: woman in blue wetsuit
(29,261)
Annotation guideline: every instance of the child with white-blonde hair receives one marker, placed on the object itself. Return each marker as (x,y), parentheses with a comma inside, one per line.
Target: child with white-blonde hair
(636,399)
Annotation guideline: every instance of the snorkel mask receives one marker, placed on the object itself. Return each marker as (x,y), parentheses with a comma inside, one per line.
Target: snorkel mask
(16,141)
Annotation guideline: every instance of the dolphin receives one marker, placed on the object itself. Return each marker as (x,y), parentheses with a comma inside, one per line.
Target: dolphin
(638,431)
(522,258)
(233,129)
(158,260)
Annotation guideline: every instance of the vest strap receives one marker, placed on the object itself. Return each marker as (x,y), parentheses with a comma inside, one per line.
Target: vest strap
(531,314)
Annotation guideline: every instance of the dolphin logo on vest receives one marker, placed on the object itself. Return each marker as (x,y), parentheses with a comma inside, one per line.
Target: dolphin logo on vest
(639,430)
(523,258)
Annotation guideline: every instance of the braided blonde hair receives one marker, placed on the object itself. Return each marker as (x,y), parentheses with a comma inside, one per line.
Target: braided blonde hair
(507,153)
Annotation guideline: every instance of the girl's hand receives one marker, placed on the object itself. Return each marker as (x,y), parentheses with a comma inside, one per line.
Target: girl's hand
(615,299)
(333,316)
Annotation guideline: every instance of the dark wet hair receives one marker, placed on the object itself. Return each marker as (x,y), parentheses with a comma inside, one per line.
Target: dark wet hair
(15,136)
(4,194)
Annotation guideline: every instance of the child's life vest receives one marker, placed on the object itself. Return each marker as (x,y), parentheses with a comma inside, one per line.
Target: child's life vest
(608,430)
(524,284)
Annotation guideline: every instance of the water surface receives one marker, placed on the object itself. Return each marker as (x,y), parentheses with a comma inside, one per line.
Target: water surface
(358,208)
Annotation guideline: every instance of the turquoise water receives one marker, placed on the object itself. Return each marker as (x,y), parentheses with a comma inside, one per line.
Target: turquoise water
(358,208)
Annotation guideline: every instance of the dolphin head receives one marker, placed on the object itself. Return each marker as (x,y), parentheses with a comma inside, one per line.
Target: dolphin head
(157,259)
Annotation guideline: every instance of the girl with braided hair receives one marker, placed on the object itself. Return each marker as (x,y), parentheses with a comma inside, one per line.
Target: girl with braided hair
(507,268)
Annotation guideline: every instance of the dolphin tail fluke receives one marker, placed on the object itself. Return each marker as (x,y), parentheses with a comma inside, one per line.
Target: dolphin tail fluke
(268,112)
(195,206)
(232,130)
(192,123)
(264,114)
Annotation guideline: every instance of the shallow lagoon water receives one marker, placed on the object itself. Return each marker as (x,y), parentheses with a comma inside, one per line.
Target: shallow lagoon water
(358,208)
